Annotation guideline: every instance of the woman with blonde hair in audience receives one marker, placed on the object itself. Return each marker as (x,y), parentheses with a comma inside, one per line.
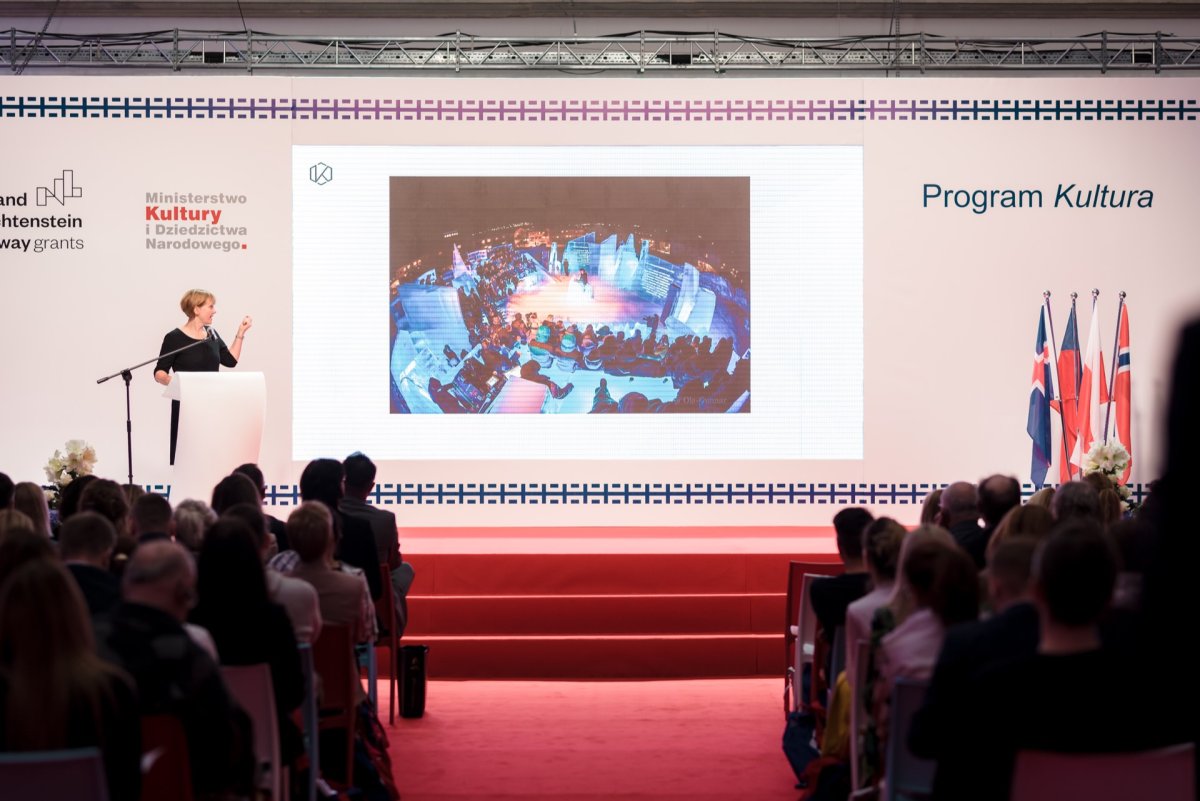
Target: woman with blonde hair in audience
(931,507)
(191,519)
(1042,498)
(31,499)
(55,692)
(11,519)
(881,541)
(1021,521)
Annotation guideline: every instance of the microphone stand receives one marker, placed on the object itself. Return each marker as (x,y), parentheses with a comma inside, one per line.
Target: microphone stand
(127,376)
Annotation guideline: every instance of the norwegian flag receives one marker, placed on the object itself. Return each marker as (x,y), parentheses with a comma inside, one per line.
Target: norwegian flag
(1037,423)
(1093,395)
(1121,389)
(1070,374)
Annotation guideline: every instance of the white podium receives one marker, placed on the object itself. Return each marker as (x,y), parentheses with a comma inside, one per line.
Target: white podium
(221,418)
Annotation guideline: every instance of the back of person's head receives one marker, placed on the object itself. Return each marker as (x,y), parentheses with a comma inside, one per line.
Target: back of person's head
(6,490)
(1110,506)
(87,537)
(1097,481)
(252,515)
(1043,498)
(106,497)
(192,518)
(48,659)
(161,574)
(881,539)
(1033,522)
(230,576)
(31,499)
(11,520)
(151,513)
(902,601)
(234,488)
(998,494)
(21,545)
(68,499)
(849,524)
(132,493)
(255,474)
(1010,567)
(959,502)
(942,578)
(1075,572)
(931,507)
(360,474)
(310,531)
(1075,500)
(322,481)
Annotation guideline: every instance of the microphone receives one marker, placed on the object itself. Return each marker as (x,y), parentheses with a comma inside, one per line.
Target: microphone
(212,333)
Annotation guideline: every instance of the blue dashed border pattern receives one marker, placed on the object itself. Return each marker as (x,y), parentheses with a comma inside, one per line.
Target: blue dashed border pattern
(648,494)
(605,110)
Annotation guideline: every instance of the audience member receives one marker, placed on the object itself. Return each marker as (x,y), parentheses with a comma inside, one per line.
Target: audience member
(345,599)
(246,625)
(931,508)
(960,516)
(31,499)
(1043,497)
(132,493)
(1030,521)
(174,675)
(19,546)
(55,693)
(997,495)
(360,480)
(86,543)
(68,499)
(1075,500)
(831,596)
(11,520)
(107,498)
(191,519)
(968,650)
(6,490)
(234,488)
(324,480)
(275,526)
(881,541)
(150,518)
(1048,700)
(1134,543)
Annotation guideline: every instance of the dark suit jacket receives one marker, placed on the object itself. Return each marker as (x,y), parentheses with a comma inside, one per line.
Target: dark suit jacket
(831,596)
(968,650)
(383,526)
(972,539)
(357,548)
(100,589)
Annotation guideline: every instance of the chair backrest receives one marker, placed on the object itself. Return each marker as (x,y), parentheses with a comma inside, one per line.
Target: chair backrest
(1167,774)
(907,775)
(251,687)
(166,767)
(308,716)
(792,678)
(858,708)
(77,774)
(335,663)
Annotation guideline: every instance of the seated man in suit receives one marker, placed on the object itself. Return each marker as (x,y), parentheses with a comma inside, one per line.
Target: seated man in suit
(360,480)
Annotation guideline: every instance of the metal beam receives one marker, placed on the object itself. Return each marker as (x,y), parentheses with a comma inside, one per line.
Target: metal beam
(641,52)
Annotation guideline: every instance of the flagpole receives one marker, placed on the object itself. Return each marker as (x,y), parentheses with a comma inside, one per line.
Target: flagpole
(1112,378)
(1054,378)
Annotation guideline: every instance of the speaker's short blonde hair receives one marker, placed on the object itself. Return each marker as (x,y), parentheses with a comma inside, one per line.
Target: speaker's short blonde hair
(193,298)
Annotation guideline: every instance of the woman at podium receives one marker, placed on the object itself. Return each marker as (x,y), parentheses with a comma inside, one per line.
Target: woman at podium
(195,347)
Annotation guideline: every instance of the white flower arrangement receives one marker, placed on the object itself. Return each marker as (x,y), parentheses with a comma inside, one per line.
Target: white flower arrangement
(63,468)
(1110,459)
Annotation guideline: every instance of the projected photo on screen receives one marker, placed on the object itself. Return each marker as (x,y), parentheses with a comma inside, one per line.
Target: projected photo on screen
(569,295)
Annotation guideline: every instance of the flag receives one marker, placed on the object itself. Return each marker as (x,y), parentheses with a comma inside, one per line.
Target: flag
(1121,387)
(1093,395)
(1070,373)
(1037,422)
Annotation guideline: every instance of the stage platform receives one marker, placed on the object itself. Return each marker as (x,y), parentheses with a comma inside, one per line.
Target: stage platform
(595,603)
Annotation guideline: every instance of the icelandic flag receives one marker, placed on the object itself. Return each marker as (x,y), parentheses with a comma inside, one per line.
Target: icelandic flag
(1121,389)
(1070,374)
(1093,395)
(1037,423)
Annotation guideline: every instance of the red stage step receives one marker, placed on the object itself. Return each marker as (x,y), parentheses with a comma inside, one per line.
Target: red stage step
(595,604)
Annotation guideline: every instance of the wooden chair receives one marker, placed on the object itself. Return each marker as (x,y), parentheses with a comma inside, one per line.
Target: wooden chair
(387,612)
(166,766)
(1166,774)
(251,687)
(76,774)
(337,708)
(797,600)
(908,776)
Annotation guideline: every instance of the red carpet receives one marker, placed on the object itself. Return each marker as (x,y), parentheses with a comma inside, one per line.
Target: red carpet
(712,739)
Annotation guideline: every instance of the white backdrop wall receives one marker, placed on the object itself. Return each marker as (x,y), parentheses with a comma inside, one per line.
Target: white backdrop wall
(949,297)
